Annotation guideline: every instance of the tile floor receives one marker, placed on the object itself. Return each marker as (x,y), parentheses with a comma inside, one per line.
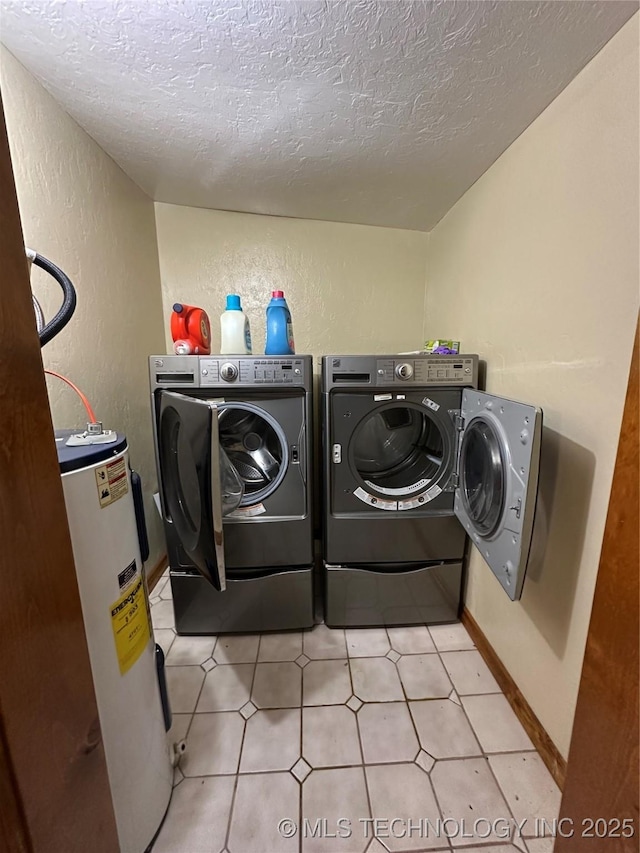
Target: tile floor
(366,740)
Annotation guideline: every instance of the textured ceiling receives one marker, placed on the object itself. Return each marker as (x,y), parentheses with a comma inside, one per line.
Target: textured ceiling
(380,113)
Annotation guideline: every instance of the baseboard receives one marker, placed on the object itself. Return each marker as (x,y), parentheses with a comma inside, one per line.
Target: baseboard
(154,574)
(556,764)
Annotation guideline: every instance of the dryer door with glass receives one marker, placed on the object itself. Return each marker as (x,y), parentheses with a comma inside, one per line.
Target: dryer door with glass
(199,484)
(498,462)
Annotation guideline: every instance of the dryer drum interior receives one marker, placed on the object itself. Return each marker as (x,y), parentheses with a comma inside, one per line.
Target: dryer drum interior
(397,446)
(256,446)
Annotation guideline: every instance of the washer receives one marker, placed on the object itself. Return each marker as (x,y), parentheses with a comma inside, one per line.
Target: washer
(415,458)
(233,440)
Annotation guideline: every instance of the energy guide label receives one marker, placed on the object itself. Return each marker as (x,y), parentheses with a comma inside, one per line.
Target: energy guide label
(130,623)
(111,480)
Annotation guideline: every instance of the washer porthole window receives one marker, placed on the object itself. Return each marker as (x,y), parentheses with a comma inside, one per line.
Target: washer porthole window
(482,481)
(256,446)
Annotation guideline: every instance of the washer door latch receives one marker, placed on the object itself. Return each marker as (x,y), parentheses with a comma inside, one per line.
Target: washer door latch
(337,454)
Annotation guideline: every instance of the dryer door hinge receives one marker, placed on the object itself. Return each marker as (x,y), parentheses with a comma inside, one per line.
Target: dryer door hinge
(454,481)
(459,421)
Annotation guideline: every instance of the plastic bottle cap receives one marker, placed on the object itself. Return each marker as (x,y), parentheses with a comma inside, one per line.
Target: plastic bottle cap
(277,294)
(233,302)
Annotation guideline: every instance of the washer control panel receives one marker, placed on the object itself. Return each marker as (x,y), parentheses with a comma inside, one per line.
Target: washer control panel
(223,371)
(251,371)
(428,370)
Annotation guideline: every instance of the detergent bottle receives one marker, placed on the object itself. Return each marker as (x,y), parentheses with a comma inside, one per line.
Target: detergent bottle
(279,326)
(234,328)
(190,330)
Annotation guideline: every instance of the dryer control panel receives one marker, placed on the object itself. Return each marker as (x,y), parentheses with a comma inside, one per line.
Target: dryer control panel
(409,371)
(431,370)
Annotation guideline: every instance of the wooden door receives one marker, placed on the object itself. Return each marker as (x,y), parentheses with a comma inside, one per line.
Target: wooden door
(54,791)
(602,771)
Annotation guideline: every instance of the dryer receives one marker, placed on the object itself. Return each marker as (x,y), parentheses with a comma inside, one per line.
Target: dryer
(416,459)
(233,451)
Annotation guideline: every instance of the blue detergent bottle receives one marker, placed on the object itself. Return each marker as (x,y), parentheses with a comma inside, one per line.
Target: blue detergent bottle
(279,326)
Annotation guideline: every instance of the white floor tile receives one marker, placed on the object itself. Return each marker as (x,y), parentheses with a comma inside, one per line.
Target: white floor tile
(179,727)
(367,642)
(190,650)
(332,795)
(322,643)
(424,677)
(280,647)
(495,848)
(262,801)
(326,682)
(495,724)
(376,847)
(466,791)
(469,673)
(451,638)
(387,733)
(540,845)
(226,688)
(425,761)
(403,792)
(277,685)
(330,736)
(271,741)
(198,817)
(164,637)
(162,615)
(528,787)
(375,680)
(160,585)
(214,744)
(236,648)
(340,739)
(183,686)
(414,640)
(444,730)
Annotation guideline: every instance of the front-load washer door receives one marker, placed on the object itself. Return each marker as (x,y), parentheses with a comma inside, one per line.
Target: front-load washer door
(199,484)
(256,446)
(498,464)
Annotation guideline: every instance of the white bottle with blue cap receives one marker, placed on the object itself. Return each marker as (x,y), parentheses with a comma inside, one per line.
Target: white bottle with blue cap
(234,328)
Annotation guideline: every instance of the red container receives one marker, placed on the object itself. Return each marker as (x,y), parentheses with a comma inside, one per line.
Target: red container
(190,330)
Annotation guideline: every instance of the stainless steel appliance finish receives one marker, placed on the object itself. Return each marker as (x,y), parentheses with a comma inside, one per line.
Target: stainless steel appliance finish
(411,450)
(233,439)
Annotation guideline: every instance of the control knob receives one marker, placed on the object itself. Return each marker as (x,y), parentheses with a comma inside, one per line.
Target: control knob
(229,372)
(404,371)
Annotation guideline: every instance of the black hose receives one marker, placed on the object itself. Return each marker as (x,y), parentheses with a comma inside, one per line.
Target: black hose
(65,313)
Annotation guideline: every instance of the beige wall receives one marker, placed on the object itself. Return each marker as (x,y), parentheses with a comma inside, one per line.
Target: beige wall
(79,209)
(350,288)
(536,269)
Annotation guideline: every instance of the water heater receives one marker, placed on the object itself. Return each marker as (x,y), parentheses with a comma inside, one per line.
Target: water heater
(104,528)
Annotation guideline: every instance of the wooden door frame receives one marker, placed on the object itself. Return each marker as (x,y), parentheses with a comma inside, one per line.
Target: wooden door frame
(602,770)
(54,789)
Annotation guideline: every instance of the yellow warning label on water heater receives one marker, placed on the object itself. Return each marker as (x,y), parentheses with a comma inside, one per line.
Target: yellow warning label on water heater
(130,623)
(112,482)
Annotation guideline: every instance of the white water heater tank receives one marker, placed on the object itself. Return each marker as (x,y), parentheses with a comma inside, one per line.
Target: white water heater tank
(102,520)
